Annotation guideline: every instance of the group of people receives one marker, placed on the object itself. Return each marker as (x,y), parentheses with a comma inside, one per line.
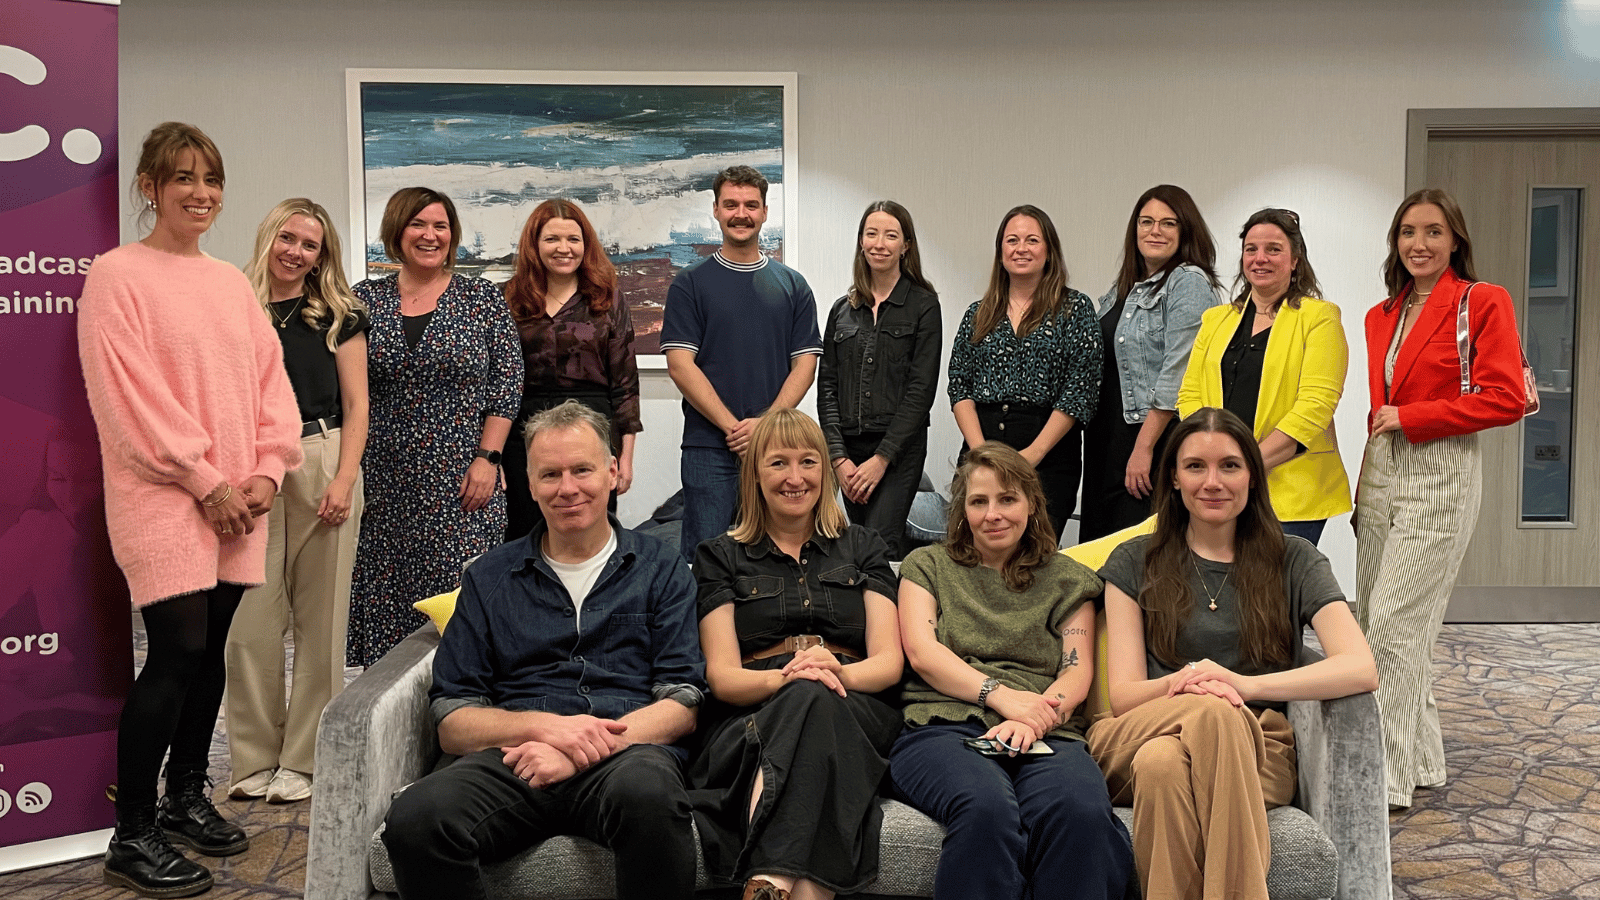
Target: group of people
(574,640)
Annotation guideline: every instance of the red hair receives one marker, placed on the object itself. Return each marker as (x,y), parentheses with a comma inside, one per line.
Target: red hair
(597,277)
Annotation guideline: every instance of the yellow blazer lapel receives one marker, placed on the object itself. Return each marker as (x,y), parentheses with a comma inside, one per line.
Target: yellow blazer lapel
(1285,331)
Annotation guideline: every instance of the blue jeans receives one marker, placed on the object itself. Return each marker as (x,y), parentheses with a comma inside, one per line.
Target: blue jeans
(710,494)
(1015,827)
(1310,530)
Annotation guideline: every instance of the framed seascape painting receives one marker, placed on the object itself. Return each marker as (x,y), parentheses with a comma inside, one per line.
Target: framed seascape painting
(638,151)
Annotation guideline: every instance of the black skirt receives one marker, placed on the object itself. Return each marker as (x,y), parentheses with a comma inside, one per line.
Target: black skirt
(823,758)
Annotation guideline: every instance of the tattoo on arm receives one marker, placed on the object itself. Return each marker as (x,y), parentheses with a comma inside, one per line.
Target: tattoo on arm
(1074,632)
(1069,660)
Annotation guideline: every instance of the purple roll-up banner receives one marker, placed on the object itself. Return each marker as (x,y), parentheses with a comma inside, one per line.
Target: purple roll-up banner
(65,625)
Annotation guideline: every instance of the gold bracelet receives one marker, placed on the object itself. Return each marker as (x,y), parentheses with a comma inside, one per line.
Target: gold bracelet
(226,493)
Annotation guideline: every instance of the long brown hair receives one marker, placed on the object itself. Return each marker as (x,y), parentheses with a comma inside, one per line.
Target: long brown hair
(1167,599)
(1048,300)
(1395,274)
(910,261)
(1302,279)
(788,429)
(1195,245)
(528,285)
(1038,542)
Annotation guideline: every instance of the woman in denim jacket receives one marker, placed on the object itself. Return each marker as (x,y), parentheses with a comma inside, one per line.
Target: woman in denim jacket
(879,372)
(1149,318)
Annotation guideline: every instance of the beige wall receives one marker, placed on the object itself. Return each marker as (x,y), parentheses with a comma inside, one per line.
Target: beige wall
(957,108)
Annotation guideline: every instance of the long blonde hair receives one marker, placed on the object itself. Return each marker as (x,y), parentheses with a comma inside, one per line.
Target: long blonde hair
(329,302)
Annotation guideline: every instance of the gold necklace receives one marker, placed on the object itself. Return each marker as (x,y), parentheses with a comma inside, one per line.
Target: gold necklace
(1205,587)
(284,322)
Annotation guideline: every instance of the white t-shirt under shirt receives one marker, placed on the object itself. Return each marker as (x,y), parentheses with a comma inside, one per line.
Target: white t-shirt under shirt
(580,577)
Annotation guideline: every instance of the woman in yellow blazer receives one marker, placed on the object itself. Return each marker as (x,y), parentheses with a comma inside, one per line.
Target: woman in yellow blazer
(1276,357)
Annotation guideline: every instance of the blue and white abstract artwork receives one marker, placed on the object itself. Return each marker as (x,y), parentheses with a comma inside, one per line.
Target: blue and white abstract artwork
(639,158)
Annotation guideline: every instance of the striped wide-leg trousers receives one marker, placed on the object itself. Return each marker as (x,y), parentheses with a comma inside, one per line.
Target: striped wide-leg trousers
(1417,507)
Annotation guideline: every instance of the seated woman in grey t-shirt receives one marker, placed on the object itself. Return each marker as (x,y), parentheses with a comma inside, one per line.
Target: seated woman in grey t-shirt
(1203,625)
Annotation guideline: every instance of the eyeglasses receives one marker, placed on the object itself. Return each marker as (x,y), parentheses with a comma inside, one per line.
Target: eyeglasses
(1146,223)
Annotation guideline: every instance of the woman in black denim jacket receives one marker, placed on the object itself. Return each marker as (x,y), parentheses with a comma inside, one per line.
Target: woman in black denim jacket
(879,373)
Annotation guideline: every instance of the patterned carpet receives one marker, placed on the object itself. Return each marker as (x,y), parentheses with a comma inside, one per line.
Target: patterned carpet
(1519,819)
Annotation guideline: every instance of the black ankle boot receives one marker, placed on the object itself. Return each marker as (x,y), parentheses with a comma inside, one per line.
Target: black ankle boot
(141,859)
(187,816)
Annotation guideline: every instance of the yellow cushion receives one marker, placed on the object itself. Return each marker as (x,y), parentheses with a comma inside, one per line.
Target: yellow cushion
(1094,555)
(439,608)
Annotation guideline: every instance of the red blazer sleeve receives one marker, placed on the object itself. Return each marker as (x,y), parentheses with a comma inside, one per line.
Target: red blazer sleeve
(1427,383)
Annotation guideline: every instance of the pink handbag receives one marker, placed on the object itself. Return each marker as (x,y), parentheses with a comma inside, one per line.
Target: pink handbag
(1530,386)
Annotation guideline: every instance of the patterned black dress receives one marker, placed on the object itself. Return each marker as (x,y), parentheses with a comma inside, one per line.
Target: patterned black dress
(428,406)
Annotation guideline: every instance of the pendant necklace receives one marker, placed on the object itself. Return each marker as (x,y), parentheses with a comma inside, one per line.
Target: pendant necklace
(284,322)
(1205,587)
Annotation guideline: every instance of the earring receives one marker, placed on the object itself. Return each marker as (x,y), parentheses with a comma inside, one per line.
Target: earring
(315,271)
(150,202)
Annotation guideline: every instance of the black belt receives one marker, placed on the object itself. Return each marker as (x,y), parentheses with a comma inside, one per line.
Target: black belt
(318,426)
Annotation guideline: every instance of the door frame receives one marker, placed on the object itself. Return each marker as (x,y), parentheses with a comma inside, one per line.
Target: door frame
(1504,603)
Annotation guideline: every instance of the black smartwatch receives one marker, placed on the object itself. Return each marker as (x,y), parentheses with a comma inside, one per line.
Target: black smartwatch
(493,456)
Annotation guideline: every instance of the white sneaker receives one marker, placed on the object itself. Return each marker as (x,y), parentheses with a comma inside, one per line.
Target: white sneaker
(288,786)
(253,786)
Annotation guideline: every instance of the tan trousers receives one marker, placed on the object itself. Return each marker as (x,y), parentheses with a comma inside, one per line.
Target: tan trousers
(1200,775)
(308,587)
(1417,511)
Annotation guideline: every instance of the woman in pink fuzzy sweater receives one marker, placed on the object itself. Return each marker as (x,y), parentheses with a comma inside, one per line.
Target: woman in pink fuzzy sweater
(197,425)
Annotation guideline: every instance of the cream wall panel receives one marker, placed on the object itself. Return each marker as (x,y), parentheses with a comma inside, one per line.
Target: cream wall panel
(957,108)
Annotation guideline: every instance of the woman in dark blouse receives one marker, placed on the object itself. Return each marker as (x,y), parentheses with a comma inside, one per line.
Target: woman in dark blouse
(799,634)
(1203,625)
(1276,358)
(577,343)
(1025,365)
(444,373)
(879,372)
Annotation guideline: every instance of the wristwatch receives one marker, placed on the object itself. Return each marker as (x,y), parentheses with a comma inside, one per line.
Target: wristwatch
(493,456)
(989,684)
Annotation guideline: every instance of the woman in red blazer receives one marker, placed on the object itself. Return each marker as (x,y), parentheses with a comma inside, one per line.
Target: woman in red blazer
(1421,477)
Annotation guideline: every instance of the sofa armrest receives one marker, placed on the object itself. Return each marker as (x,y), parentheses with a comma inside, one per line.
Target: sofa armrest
(375,737)
(1339,745)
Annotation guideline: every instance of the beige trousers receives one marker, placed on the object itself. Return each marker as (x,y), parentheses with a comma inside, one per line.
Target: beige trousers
(1200,775)
(1418,506)
(308,589)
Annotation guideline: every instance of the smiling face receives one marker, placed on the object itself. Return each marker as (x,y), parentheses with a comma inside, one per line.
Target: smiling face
(1022,247)
(1212,477)
(1157,231)
(296,250)
(997,515)
(1425,242)
(572,476)
(791,481)
(1267,261)
(883,242)
(740,213)
(561,247)
(187,204)
(425,241)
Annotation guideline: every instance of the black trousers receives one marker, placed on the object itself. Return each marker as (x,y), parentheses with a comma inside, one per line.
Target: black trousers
(440,829)
(1016,425)
(1107,505)
(886,510)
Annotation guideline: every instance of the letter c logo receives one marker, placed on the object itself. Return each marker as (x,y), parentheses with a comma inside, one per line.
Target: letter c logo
(79,145)
(30,140)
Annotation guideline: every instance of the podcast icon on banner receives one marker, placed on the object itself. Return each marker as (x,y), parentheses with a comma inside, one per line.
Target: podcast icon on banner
(34,797)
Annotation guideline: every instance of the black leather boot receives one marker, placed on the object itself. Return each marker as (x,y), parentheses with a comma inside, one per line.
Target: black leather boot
(142,860)
(187,816)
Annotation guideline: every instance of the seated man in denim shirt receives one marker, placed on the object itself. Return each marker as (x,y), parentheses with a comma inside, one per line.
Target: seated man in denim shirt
(570,667)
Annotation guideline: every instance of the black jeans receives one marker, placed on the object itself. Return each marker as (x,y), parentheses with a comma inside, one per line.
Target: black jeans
(477,810)
(1016,425)
(886,510)
(174,701)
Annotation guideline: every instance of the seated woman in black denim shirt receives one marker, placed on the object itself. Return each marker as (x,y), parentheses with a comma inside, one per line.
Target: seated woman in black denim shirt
(799,633)
(879,373)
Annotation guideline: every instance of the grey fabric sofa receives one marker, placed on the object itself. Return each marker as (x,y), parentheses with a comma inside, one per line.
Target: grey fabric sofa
(377,736)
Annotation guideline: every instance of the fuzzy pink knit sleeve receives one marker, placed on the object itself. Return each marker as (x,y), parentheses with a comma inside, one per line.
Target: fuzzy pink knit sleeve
(141,423)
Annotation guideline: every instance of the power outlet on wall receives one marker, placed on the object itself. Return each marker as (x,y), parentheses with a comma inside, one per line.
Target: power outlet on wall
(1550,452)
